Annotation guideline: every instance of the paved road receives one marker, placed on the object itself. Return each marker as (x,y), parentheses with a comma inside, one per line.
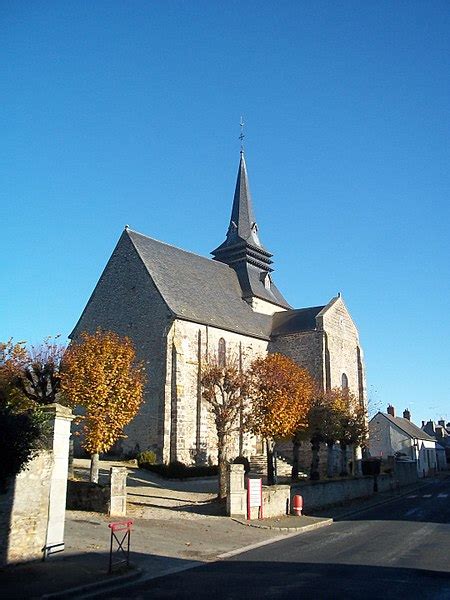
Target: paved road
(398,550)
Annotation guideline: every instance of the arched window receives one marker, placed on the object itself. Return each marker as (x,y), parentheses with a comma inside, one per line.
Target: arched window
(344,381)
(222,353)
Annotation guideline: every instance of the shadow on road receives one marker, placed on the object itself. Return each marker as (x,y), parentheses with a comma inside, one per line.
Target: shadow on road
(237,579)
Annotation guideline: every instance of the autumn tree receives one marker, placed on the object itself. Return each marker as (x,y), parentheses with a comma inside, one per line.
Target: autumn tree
(12,361)
(100,374)
(325,421)
(225,390)
(352,429)
(314,431)
(30,377)
(281,393)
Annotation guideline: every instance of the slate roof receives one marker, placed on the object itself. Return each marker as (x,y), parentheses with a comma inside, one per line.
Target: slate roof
(199,289)
(409,428)
(292,321)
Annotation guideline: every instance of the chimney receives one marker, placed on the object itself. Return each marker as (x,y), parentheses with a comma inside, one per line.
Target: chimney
(423,424)
(441,423)
(391,410)
(407,414)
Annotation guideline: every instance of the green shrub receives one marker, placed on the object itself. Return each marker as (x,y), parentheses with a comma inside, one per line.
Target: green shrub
(242,460)
(147,457)
(178,470)
(22,435)
(371,466)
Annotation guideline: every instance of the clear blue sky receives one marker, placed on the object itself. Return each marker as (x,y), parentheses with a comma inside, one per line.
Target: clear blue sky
(120,112)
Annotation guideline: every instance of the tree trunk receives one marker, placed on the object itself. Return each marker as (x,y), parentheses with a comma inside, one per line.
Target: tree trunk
(222,463)
(94,468)
(314,474)
(330,459)
(270,445)
(296,444)
(344,470)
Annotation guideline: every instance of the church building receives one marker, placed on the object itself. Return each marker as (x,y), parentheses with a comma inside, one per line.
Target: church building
(179,307)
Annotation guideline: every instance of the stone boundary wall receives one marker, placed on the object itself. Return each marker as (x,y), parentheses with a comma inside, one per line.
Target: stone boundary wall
(321,494)
(23,511)
(84,495)
(110,499)
(276,500)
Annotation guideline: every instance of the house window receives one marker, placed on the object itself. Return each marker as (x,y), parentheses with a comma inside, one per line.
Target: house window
(222,352)
(344,381)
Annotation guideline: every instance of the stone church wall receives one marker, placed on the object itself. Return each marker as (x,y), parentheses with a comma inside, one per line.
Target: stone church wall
(190,434)
(343,354)
(127,301)
(305,348)
(328,352)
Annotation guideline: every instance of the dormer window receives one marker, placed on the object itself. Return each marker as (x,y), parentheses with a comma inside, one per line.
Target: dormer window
(265,278)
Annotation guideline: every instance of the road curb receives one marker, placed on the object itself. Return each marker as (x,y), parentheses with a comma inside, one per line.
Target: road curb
(98,586)
(324,521)
(279,538)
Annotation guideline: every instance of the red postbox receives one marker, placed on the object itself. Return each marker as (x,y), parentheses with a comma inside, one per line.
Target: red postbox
(297,506)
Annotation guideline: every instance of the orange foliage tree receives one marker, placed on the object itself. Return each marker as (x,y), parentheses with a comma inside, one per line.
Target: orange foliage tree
(225,390)
(281,393)
(100,374)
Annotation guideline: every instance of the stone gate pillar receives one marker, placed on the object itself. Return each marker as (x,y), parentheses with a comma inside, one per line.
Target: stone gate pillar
(60,418)
(236,492)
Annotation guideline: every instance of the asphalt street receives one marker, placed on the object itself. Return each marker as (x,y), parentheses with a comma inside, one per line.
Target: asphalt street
(399,549)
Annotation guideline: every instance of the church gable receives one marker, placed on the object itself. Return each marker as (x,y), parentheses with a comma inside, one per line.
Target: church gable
(336,315)
(344,360)
(125,298)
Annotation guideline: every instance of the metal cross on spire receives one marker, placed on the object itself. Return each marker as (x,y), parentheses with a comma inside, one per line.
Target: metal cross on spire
(242,135)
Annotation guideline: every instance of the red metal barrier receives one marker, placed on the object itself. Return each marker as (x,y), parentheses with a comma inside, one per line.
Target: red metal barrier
(117,529)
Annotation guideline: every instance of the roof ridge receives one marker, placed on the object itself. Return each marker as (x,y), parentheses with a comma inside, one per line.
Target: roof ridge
(209,260)
(426,436)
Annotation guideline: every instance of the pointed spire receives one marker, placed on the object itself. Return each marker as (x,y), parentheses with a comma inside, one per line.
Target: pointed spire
(243,251)
(242,241)
(242,222)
